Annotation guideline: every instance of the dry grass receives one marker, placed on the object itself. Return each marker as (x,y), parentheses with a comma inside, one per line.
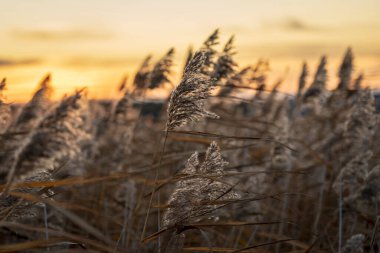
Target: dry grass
(216,173)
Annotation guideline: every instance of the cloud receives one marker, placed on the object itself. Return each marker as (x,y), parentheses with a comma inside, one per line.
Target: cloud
(297,25)
(293,24)
(293,50)
(12,62)
(100,62)
(60,35)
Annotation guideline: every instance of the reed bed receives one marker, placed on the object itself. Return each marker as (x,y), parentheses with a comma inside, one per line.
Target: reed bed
(227,163)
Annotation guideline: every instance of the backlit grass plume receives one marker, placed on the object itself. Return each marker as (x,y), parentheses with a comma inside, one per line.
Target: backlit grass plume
(345,71)
(259,72)
(210,52)
(58,137)
(364,197)
(234,81)
(118,132)
(187,99)
(354,244)
(121,108)
(141,78)
(14,208)
(224,66)
(123,84)
(358,82)
(161,70)
(193,196)
(35,109)
(320,79)
(353,175)
(189,56)
(302,80)
(189,201)
(361,122)
(5,112)
(31,115)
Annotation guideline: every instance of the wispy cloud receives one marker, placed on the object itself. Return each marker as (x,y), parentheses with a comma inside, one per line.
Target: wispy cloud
(297,25)
(60,34)
(99,61)
(12,62)
(293,24)
(291,50)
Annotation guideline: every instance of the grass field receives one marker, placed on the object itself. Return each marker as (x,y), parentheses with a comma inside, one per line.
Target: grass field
(227,163)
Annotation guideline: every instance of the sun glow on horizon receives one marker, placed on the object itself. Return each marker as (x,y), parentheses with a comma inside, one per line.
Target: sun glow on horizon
(94,44)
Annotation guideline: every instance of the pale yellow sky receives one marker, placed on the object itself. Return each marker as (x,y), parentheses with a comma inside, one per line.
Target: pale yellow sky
(94,43)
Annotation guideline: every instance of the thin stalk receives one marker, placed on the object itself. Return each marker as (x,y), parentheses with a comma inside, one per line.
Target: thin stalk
(340,218)
(283,213)
(320,201)
(374,233)
(154,189)
(46,225)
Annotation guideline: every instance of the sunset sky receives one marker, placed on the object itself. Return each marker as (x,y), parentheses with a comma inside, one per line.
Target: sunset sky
(94,43)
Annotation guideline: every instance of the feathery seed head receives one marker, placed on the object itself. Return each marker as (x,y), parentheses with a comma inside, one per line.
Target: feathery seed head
(224,66)
(345,71)
(354,244)
(58,138)
(142,76)
(210,52)
(320,79)
(353,175)
(187,99)
(123,84)
(188,202)
(302,80)
(213,163)
(358,82)
(35,109)
(161,71)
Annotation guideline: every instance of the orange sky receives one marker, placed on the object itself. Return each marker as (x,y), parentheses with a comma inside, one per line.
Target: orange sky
(94,43)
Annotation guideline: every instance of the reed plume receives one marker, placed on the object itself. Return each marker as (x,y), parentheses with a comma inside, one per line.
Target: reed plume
(259,72)
(361,122)
(345,71)
(186,100)
(370,189)
(161,70)
(192,199)
(118,132)
(225,65)
(5,111)
(15,208)
(141,78)
(57,139)
(358,82)
(31,115)
(270,100)
(234,81)
(302,79)
(33,112)
(353,175)
(189,56)
(194,194)
(120,112)
(354,244)
(319,84)
(210,52)
(123,84)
